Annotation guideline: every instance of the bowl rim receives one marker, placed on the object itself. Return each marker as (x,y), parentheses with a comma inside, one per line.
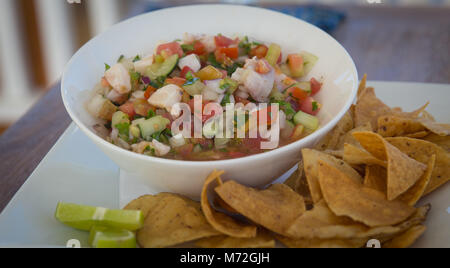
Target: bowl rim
(246,159)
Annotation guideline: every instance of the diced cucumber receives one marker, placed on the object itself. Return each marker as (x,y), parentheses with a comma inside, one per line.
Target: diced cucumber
(137,121)
(229,85)
(285,69)
(119,117)
(152,125)
(195,88)
(309,121)
(273,54)
(162,69)
(309,60)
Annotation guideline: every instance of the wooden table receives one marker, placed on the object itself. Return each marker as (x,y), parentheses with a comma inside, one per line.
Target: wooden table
(387,43)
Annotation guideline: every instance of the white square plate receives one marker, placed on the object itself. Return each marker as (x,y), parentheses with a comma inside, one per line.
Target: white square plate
(75,170)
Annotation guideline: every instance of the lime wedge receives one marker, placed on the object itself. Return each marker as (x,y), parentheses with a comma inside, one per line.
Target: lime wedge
(104,237)
(85,217)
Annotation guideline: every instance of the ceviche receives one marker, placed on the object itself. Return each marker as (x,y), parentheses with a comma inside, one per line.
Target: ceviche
(136,96)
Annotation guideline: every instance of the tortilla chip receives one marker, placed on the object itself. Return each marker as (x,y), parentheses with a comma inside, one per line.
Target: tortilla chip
(146,203)
(349,139)
(274,208)
(357,156)
(386,233)
(322,243)
(392,126)
(262,240)
(413,195)
(172,220)
(218,220)
(321,222)
(297,182)
(426,115)
(369,108)
(422,151)
(406,239)
(219,203)
(403,172)
(442,141)
(417,135)
(310,160)
(330,141)
(376,178)
(362,85)
(345,197)
(437,128)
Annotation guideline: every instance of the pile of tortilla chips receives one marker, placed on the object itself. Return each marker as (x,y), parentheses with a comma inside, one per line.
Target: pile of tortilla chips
(361,182)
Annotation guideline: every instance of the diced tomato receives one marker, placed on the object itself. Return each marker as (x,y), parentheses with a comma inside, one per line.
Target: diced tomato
(309,107)
(297,93)
(142,107)
(295,62)
(185,150)
(149,91)
(176,81)
(231,52)
(170,48)
(199,48)
(128,109)
(315,86)
(223,41)
(236,154)
(259,51)
(262,67)
(185,71)
(220,57)
(280,58)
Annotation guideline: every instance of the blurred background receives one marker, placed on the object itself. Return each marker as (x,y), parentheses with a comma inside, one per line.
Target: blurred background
(38,37)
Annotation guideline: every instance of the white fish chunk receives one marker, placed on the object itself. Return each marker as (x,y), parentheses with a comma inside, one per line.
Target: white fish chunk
(166,97)
(119,78)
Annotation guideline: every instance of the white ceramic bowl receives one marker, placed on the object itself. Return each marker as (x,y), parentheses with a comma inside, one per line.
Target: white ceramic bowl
(140,34)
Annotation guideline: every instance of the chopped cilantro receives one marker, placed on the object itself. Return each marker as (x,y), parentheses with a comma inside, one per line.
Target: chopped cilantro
(135,76)
(150,114)
(226,99)
(286,107)
(124,128)
(245,45)
(231,69)
(186,48)
(107,67)
(137,58)
(315,106)
(120,58)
